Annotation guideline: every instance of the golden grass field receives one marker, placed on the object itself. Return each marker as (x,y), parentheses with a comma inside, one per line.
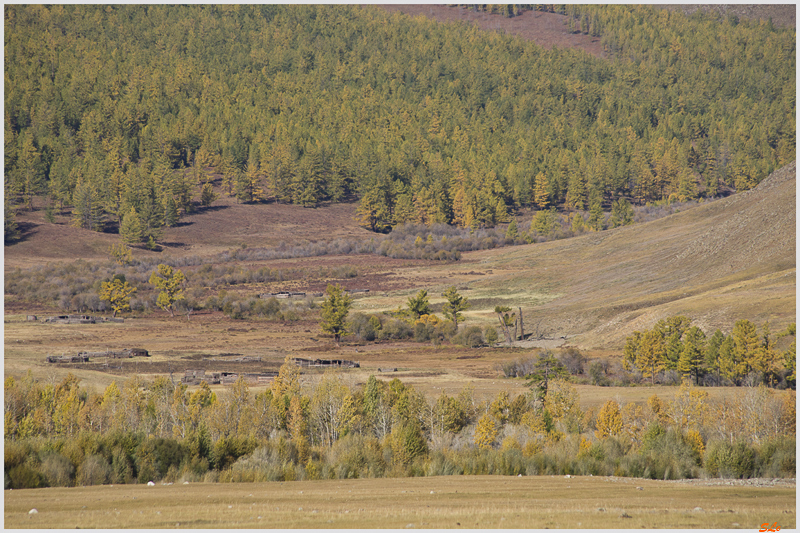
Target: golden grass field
(469,502)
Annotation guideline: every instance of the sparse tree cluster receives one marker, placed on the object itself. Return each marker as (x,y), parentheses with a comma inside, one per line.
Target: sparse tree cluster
(746,354)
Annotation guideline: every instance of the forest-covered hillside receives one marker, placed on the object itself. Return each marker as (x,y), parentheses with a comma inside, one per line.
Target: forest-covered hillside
(424,122)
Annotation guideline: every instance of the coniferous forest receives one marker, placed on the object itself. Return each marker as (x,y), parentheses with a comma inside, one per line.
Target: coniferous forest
(120,114)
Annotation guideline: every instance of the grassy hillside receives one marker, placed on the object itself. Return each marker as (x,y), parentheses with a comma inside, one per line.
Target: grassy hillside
(719,262)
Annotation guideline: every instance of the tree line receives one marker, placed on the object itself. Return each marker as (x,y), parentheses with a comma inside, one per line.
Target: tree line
(136,431)
(124,112)
(744,355)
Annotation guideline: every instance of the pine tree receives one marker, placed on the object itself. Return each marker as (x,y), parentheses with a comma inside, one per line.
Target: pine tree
(540,195)
(130,230)
(418,305)
(576,192)
(596,215)
(207,196)
(745,346)
(512,233)
(12,232)
(454,305)
(334,311)
(651,355)
(692,358)
(373,211)
(86,211)
(170,212)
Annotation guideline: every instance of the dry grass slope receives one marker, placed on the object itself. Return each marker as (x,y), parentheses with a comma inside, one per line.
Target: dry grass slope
(719,262)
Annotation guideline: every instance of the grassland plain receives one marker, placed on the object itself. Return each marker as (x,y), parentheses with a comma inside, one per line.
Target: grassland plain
(470,502)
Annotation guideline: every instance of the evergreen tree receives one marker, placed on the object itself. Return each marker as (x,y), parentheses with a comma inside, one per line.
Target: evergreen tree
(170,212)
(692,357)
(130,230)
(207,196)
(86,211)
(12,232)
(621,213)
(117,292)
(334,311)
(418,305)
(540,195)
(454,305)
(596,215)
(651,355)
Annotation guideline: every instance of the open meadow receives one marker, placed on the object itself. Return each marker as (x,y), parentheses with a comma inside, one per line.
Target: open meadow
(469,502)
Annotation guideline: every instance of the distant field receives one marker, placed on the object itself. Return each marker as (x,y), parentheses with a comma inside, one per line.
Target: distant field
(469,502)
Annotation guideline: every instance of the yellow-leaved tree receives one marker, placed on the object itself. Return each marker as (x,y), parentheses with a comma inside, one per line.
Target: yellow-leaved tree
(486,432)
(609,420)
(118,293)
(170,282)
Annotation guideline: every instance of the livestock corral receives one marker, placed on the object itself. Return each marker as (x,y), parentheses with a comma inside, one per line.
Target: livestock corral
(325,363)
(84,357)
(196,377)
(77,319)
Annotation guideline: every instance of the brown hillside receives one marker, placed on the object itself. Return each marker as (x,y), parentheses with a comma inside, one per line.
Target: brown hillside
(723,261)
(227,224)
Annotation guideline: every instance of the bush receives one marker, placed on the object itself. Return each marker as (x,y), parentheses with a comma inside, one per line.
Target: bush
(155,456)
(264,464)
(396,329)
(663,455)
(355,456)
(364,326)
(598,375)
(777,458)
(573,360)
(471,336)
(728,460)
(94,470)
(57,470)
(24,477)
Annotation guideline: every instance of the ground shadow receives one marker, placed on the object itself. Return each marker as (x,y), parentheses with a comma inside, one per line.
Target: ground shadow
(26,231)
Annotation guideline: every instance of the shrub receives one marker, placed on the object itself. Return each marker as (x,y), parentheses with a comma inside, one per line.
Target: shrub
(490,334)
(264,464)
(573,360)
(363,327)
(665,455)
(395,329)
(471,336)
(94,470)
(57,470)
(357,456)
(597,374)
(407,442)
(777,458)
(728,460)
(155,456)
(24,477)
